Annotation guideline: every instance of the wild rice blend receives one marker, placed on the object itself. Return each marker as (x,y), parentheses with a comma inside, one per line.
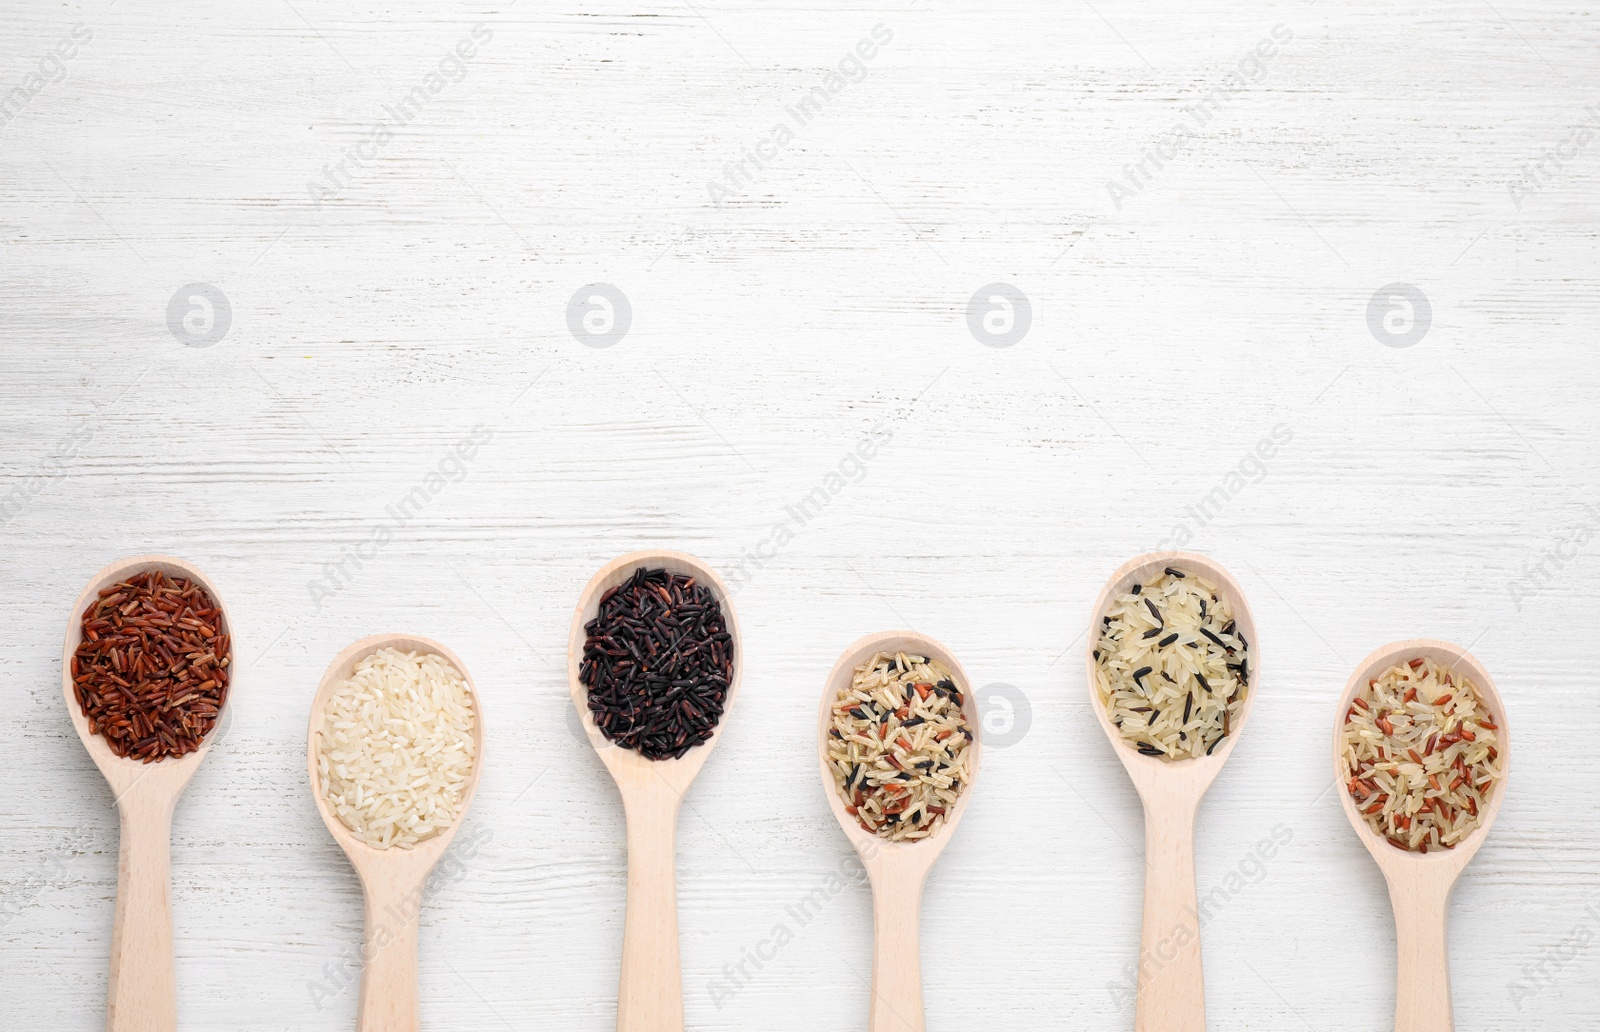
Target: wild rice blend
(898,746)
(658,663)
(1420,755)
(151,673)
(1171,666)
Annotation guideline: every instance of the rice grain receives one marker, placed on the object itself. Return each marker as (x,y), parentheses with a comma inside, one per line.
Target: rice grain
(396,749)
(898,746)
(1421,755)
(1171,668)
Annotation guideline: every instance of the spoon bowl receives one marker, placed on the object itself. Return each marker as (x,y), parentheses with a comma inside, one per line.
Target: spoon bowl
(1420,883)
(142,990)
(1151,774)
(392,879)
(897,870)
(625,764)
(650,993)
(1171,994)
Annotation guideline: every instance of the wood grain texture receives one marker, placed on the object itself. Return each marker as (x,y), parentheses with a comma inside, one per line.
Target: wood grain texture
(823,308)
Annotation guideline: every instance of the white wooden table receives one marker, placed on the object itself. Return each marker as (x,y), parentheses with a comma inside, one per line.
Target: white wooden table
(397,232)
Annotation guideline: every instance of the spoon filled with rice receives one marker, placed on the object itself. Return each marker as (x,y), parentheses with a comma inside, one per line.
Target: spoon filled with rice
(147,672)
(1420,751)
(1171,670)
(898,743)
(394,751)
(654,660)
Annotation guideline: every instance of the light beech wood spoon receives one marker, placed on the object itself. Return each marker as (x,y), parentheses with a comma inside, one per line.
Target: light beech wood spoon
(897,870)
(650,991)
(142,991)
(1420,883)
(1172,994)
(392,879)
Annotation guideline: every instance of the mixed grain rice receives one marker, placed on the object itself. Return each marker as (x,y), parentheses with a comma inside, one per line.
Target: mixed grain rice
(898,746)
(1171,668)
(1421,756)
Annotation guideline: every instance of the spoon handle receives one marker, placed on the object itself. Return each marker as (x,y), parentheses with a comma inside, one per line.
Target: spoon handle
(142,991)
(1172,993)
(389,1000)
(896,954)
(650,995)
(1422,990)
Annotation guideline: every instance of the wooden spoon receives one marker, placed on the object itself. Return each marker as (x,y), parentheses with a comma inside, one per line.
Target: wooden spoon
(1420,883)
(650,994)
(1171,978)
(392,879)
(142,992)
(897,870)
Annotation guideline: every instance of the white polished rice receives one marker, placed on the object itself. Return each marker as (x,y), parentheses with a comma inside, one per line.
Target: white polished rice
(1171,669)
(1421,755)
(396,747)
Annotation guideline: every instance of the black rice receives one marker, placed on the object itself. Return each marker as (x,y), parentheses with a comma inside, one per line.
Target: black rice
(658,664)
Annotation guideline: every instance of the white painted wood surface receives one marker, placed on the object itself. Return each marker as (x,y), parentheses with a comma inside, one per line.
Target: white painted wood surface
(1445,489)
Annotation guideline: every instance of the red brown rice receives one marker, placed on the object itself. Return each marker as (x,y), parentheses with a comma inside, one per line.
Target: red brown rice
(151,673)
(1420,755)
